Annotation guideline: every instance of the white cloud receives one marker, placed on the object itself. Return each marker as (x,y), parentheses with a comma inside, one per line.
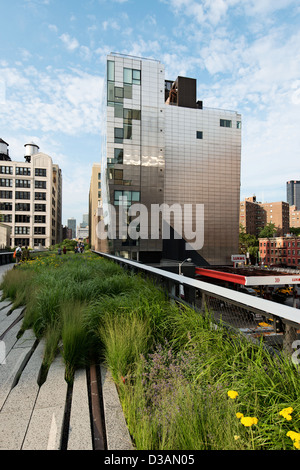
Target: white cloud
(52,101)
(70,43)
(53,28)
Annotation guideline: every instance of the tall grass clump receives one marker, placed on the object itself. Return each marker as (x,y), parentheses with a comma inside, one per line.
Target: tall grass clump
(17,286)
(177,395)
(75,338)
(123,337)
(184,382)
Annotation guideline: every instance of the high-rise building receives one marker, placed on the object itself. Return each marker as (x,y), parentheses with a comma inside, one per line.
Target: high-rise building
(95,203)
(71,223)
(163,149)
(254,216)
(293,193)
(31,197)
(294,217)
(85,221)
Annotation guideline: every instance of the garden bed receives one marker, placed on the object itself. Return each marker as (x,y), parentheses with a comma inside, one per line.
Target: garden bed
(184,384)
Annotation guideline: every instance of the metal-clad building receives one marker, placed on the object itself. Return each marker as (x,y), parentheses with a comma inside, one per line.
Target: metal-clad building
(162,147)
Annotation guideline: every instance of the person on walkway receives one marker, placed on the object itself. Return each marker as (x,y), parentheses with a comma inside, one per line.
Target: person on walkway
(18,253)
(64,250)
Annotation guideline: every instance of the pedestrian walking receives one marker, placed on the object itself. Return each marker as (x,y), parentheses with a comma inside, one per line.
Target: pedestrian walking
(18,253)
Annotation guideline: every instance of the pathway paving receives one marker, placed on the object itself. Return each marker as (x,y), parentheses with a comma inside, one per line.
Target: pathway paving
(32,415)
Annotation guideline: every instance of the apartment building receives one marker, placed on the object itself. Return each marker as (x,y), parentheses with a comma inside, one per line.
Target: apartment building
(254,216)
(95,204)
(31,197)
(295,216)
(161,146)
(283,251)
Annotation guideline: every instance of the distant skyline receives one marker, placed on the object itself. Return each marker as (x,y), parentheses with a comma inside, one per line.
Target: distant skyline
(245,56)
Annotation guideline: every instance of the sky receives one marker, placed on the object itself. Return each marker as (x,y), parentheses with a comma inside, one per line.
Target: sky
(245,55)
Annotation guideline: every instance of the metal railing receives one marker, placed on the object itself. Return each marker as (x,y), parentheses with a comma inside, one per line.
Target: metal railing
(277,325)
(6,257)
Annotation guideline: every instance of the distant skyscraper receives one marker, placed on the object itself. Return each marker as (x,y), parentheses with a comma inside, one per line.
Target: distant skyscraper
(293,193)
(71,223)
(85,221)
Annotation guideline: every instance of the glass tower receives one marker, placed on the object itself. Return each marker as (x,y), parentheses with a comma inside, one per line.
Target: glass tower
(293,193)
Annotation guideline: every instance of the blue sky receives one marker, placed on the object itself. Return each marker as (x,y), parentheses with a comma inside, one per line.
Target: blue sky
(245,55)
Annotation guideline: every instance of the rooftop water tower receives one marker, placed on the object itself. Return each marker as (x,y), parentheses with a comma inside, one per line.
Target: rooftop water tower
(4,154)
(30,150)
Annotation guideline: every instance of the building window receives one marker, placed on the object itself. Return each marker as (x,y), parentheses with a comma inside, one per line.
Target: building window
(39,241)
(22,183)
(116,175)
(6,170)
(40,172)
(22,230)
(6,194)
(39,219)
(5,206)
(22,171)
(238,124)
(118,157)
(119,135)
(40,207)
(22,195)
(111,70)
(130,114)
(22,207)
(119,94)
(199,134)
(40,184)
(23,219)
(132,76)
(225,123)
(40,196)
(39,230)
(22,241)
(128,197)
(6,182)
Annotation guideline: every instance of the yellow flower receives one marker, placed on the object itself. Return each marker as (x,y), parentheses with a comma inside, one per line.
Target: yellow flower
(295,436)
(239,415)
(248,421)
(297,444)
(232,394)
(286,413)
(236,437)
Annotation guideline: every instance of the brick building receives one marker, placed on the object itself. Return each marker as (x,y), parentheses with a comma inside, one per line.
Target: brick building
(284,251)
(254,216)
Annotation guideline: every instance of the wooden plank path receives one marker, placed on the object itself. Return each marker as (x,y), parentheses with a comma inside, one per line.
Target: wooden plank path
(52,415)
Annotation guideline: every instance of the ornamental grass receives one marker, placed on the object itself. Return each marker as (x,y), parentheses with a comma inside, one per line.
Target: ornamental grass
(184,382)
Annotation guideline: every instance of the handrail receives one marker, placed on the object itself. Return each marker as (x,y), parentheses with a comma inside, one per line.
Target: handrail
(289,315)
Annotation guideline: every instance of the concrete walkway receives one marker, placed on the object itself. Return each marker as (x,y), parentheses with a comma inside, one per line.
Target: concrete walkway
(32,416)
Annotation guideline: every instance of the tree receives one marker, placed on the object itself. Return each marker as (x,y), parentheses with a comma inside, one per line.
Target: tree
(268,231)
(295,231)
(247,243)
